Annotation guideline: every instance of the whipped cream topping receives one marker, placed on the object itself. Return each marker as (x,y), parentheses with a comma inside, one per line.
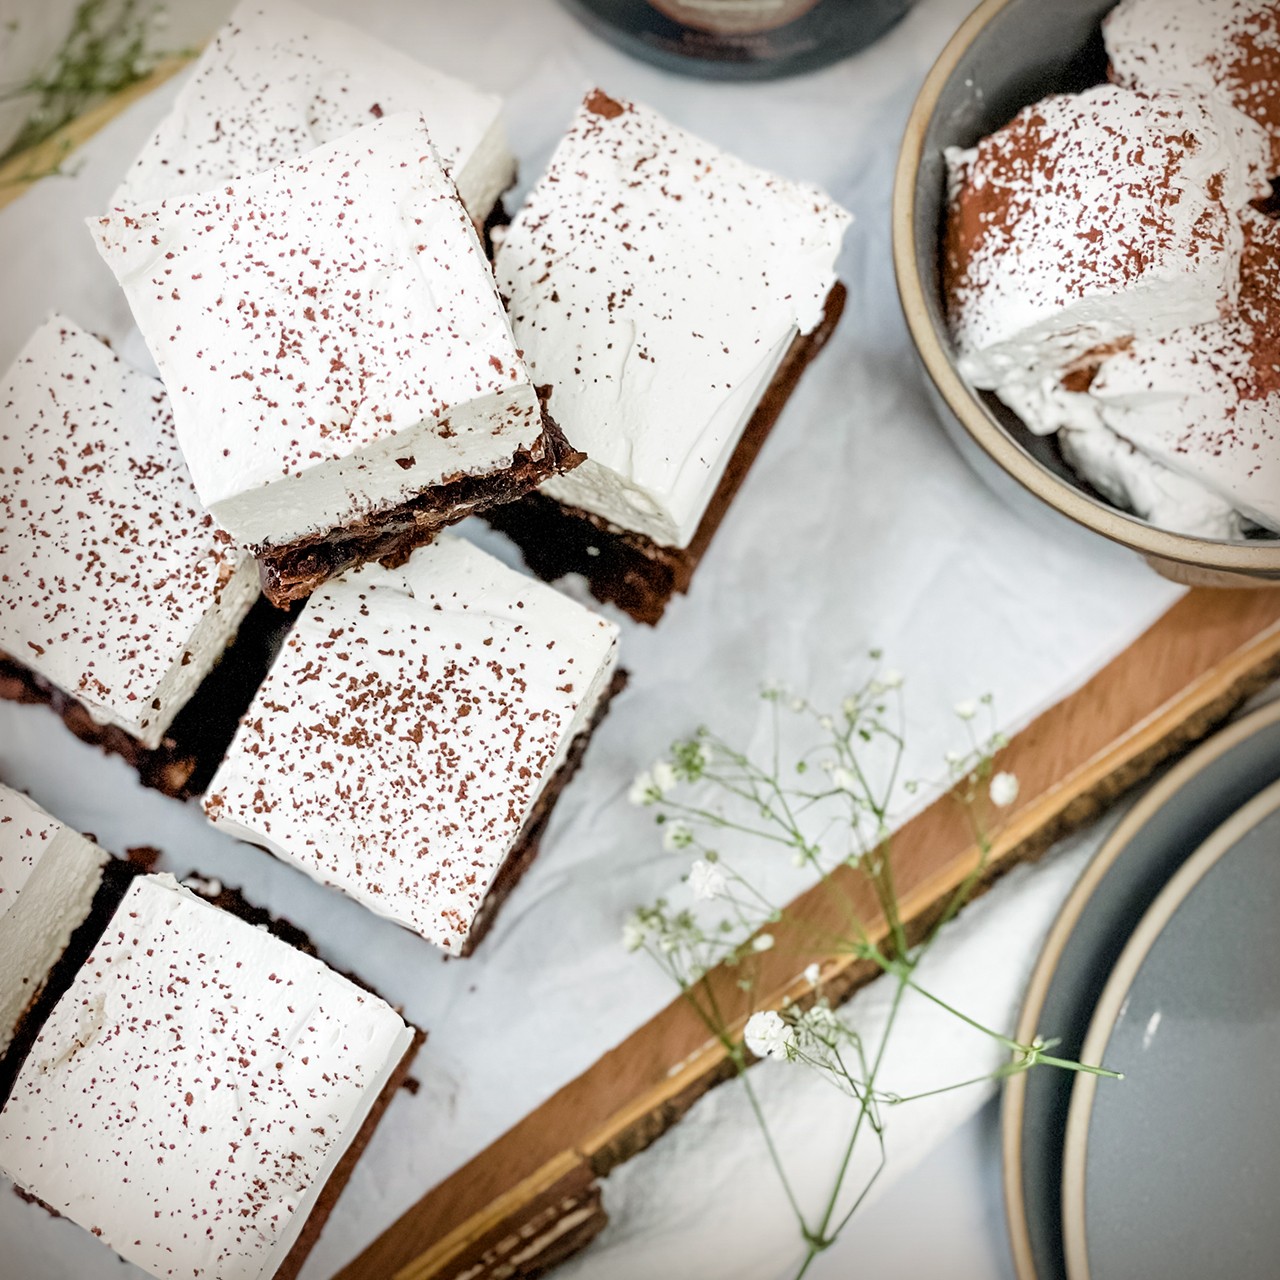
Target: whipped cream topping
(1136,482)
(656,283)
(1091,218)
(1184,429)
(279,80)
(117,586)
(48,877)
(1229,48)
(1205,401)
(192,1092)
(407,729)
(330,335)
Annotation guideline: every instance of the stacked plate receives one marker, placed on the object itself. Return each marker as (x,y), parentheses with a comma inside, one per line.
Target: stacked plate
(1162,965)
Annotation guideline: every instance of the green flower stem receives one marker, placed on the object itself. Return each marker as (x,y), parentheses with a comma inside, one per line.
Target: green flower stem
(1081,1068)
(735,1054)
(724,824)
(1028,1051)
(686,950)
(1012,1045)
(825,1236)
(895,1100)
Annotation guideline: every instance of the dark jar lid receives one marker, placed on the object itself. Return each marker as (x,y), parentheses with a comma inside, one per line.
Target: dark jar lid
(740,39)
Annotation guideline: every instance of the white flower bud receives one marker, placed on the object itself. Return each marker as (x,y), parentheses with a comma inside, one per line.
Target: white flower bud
(642,791)
(1003,790)
(769,1036)
(634,932)
(676,836)
(707,880)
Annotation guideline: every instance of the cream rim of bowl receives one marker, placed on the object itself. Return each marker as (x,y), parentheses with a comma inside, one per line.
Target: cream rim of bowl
(1181,557)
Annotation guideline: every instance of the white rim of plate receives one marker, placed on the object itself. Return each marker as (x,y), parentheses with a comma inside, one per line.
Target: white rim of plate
(1114,995)
(1013,1107)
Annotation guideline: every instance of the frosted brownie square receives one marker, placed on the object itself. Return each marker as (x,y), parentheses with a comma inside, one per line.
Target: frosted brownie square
(409,742)
(49,876)
(196,1096)
(118,593)
(670,295)
(344,379)
(279,80)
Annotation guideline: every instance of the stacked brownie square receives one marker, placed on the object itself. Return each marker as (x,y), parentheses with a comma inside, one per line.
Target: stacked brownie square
(671,295)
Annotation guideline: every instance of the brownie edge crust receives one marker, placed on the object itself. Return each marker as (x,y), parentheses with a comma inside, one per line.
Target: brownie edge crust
(292,572)
(626,568)
(526,847)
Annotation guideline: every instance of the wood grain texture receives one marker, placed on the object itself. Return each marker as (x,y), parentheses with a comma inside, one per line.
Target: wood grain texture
(30,166)
(1168,690)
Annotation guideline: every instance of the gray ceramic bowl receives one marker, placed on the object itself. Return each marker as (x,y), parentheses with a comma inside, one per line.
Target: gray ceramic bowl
(1008,54)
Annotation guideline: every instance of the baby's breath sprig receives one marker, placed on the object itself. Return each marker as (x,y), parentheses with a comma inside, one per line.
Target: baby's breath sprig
(110,46)
(831,811)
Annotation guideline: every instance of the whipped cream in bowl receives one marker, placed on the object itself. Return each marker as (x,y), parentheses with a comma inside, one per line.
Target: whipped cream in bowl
(1083,265)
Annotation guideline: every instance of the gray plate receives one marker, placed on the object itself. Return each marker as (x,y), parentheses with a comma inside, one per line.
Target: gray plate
(1174,1171)
(1158,835)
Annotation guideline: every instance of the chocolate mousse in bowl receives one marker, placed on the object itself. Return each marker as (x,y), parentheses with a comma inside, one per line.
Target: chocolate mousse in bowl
(1088,264)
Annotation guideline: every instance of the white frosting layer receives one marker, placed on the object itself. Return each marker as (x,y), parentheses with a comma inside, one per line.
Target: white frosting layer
(1229,48)
(1184,429)
(1091,218)
(279,80)
(192,1092)
(407,729)
(330,334)
(1133,480)
(117,586)
(1205,401)
(48,876)
(656,282)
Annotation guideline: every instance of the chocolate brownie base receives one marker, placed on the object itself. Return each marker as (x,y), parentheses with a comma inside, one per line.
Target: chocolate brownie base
(626,568)
(525,849)
(116,878)
(497,222)
(294,571)
(184,763)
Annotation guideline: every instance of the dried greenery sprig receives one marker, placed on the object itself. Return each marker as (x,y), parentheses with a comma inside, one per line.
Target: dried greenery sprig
(831,811)
(108,48)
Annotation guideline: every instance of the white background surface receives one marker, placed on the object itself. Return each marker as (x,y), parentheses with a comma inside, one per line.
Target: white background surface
(859,527)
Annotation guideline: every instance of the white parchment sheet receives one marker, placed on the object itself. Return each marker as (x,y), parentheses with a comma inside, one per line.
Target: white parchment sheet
(859,527)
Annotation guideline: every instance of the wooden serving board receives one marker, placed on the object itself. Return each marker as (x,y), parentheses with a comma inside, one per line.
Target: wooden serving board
(533,1196)
(517,1203)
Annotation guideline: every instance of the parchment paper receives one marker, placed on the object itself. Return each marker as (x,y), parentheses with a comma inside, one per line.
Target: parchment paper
(859,527)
